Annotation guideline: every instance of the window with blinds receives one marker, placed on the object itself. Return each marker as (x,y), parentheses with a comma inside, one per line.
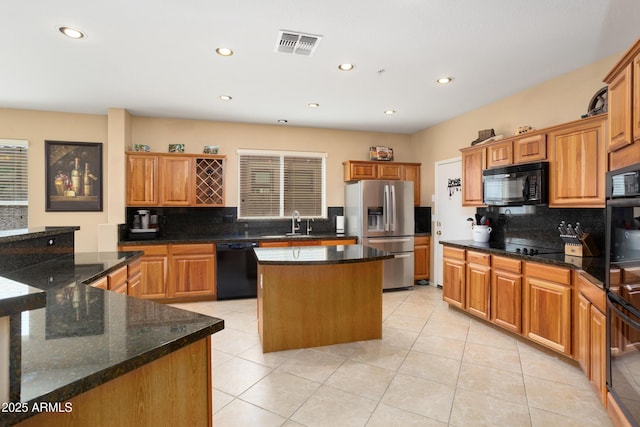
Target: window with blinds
(13,172)
(272,184)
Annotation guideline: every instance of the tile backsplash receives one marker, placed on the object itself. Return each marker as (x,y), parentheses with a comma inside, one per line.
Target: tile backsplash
(540,223)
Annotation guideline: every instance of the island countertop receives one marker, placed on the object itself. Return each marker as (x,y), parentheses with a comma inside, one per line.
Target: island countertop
(314,255)
(86,336)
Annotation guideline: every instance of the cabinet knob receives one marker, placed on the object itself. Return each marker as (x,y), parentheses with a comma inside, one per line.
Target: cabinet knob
(439,233)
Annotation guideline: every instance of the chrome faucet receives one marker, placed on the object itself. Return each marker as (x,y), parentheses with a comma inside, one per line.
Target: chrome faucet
(295,217)
(309,226)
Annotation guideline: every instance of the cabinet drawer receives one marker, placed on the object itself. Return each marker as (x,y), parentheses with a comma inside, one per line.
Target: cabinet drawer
(547,272)
(101,283)
(134,268)
(192,249)
(118,278)
(147,249)
(507,264)
(420,240)
(449,252)
(478,258)
(593,293)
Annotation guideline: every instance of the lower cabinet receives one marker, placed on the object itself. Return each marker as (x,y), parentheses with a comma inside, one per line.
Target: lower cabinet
(591,334)
(176,272)
(478,284)
(506,293)
(422,257)
(453,276)
(547,306)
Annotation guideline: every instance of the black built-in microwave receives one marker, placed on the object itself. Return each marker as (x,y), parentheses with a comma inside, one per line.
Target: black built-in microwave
(516,185)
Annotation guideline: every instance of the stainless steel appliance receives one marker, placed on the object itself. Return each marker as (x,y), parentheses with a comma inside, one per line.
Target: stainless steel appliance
(381,214)
(623,289)
(516,185)
(236,270)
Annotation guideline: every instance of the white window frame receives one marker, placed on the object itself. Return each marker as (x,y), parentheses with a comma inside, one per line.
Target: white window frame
(21,144)
(282,155)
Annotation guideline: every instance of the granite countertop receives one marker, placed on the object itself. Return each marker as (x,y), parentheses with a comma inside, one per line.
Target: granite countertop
(215,238)
(33,232)
(86,336)
(313,255)
(594,266)
(17,297)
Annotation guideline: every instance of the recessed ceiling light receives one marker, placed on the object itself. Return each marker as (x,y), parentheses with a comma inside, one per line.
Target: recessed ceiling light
(226,97)
(71,32)
(224,51)
(283,121)
(389,112)
(313,105)
(345,67)
(444,80)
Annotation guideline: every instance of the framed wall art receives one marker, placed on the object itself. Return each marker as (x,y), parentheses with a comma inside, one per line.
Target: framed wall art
(73,173)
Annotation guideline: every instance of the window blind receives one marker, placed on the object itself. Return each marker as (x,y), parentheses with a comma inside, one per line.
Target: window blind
(13,173)
(274,184)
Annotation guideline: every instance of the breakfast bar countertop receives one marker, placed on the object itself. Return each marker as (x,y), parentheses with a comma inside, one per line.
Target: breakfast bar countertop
(86,336)
(313,255)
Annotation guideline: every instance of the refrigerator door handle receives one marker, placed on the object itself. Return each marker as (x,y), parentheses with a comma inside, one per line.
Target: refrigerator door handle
(394,211)
(385,208)
(401,255)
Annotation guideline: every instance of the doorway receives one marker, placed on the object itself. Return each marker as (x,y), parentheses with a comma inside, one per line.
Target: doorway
(450,216)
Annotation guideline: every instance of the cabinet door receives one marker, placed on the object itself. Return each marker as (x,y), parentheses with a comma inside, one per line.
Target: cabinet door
(506,300)
(619,107)
(412,173)
(583,333)
(134,277)
(473,163)
(598,352)
(530,149)
(478,286)
(500,154)
(193,275)
(154,267)
(578,165)
(389,171)
(547,318)
(354,171)
(141,180)
(636,100)
(175,181)
(453,280)
(422,253)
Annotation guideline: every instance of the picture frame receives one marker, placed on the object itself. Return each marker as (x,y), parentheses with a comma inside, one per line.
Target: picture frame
(73,174)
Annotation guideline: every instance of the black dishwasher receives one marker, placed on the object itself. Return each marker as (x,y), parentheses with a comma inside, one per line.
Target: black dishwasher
(236,270)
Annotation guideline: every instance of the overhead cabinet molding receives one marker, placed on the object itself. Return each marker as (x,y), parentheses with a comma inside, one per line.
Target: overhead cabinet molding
(155,179)
(358,170)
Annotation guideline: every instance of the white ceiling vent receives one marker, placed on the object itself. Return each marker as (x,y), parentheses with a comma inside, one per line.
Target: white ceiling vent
(297,43)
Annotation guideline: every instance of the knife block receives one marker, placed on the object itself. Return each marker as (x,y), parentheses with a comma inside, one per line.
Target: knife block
(583,246)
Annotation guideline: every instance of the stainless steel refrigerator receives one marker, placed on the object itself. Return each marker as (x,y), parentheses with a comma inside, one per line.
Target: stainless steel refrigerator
(380,213)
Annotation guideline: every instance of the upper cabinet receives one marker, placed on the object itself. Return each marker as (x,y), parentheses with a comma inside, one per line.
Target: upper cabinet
(530,148)
(357,170)
(474,161)
(577,163)
(624,109)
(175,179)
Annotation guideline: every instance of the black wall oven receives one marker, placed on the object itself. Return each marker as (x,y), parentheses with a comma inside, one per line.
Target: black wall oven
(623,289)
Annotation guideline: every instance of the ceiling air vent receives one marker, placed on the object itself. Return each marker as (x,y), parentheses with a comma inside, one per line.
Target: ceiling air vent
(297,43)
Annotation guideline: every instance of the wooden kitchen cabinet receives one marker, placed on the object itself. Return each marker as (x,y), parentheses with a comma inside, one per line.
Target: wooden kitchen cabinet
(591,333)
(624,109)
(192,271)
(134,277)
(357,170)
(547,306)
(422,257)
(530,148)
(154,269)
(473,163)
(578,163)
(175,180)
(117,280)
(500,154)
(506,293)
(453,276)
(478,284)
(102,283)
(142,180)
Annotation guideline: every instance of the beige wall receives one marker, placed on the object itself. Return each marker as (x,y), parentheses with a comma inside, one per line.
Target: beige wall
(550,103)
(553,102)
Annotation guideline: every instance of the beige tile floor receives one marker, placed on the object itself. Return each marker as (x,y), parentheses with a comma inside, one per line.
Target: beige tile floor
(434,366)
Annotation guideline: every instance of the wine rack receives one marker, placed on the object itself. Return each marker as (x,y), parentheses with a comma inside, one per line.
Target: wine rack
(209,182)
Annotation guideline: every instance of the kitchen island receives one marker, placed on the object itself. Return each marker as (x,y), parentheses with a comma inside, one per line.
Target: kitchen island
(80,355)
(316,296)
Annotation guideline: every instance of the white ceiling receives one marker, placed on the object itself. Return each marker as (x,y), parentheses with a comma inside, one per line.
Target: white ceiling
(157,57)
